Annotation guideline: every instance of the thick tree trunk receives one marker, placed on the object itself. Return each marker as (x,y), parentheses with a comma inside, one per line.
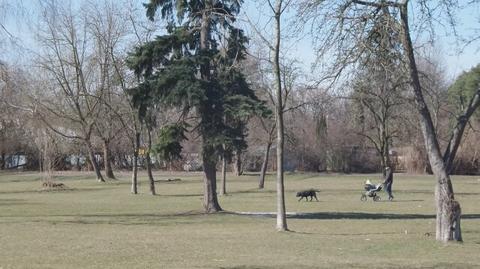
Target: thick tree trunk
(93,161)
(210,201)
(448,210)
(223,189)
(281,211)
(263,171)
(134,187)
(107,159)
(149,163)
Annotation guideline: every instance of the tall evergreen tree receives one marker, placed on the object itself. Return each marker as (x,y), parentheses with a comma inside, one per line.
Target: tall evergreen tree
(193,67)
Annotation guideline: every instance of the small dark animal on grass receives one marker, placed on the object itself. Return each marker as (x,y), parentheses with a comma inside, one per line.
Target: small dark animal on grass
(307,193)
(50,184)
(169,180)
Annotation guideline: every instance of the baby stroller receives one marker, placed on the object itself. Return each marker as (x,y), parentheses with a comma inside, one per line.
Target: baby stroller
(371,191)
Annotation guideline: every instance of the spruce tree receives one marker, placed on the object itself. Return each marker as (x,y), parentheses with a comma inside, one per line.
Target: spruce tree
(194,67)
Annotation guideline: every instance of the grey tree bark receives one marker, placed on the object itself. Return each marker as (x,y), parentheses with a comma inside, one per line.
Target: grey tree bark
(2,162)
(223,189)
(281,211)
(151,180)
(210,201)
(263,171)
(134,187)
(93,161)
(448,209)
(107,158)
(237,164)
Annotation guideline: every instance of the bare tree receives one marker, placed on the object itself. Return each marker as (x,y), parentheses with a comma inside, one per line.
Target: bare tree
(269,131)
(107,27)
(66,61)
(379,86)
(113,29)
(278,8)
(262,130)
(347,32)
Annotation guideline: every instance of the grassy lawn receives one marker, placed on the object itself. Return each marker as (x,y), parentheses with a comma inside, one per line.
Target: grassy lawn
(95,225)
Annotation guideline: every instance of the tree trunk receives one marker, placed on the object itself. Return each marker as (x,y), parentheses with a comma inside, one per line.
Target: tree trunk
(78,167)
(107,159)
(210,201)
(149,163)
(263,171)
(2,163)
(448,210)
(40,161)
(281,211)
(237,164)
(385,161)
(223,190)
(134,188)
(93,161)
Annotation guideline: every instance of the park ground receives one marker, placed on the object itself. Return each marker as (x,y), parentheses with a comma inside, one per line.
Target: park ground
(102,225)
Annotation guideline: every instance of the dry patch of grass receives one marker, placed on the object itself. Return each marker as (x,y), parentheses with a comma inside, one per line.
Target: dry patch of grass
(95,225)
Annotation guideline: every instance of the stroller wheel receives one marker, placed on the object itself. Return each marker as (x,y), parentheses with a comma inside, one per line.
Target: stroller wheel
(376,198)
(363,197)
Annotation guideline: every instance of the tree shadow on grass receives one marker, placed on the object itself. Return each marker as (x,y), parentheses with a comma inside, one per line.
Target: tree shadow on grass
(400,201)
(247,267)
(13,202)
(189,217)
(45,191)
(252,174)
(350,215)
(254,190)
(181,195)
(269,267)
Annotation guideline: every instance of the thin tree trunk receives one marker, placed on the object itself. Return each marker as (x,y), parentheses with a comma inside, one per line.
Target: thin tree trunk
(40,161)
(263,171)
(210,201)
(2,164)
(223,189)
(149,163)
(93,161)
(281,211)
(77,163)
(107,159)
(134,188)
(448,210)
(237,164)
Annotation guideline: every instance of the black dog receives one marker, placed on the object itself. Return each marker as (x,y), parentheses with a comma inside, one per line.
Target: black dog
(308,193)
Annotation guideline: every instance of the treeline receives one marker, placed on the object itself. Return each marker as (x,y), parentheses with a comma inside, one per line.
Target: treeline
(72,106)
(325,132)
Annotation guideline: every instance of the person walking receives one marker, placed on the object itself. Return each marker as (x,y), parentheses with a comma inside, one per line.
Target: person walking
(388,182)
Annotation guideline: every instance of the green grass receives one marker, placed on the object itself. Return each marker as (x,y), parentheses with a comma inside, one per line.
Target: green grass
(95,225)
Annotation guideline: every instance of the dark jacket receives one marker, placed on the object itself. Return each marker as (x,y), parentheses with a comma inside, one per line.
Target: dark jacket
(388,178)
